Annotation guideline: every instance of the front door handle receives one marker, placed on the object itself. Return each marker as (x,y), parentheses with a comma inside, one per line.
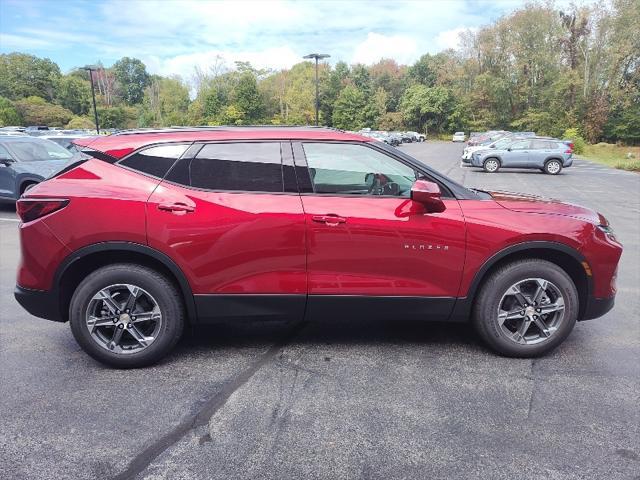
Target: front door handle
(177,207)
(330,219)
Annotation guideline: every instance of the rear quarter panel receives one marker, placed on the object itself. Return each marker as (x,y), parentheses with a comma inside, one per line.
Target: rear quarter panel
(107,203)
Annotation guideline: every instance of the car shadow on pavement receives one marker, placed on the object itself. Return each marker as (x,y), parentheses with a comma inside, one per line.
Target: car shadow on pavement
(330,331)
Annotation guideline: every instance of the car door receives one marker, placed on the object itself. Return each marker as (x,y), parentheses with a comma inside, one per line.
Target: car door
(7,173)
(222,215)
(370,248)
(539,152)
(517,155)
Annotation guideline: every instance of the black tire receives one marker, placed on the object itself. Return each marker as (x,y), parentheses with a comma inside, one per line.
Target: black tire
(169,302)
(553,167)
(491,165)
(485,311)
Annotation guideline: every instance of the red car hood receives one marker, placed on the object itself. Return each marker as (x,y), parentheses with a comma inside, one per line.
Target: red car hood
(520,202)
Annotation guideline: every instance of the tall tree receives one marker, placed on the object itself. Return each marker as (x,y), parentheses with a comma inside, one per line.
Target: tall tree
(132,77)
(23,75)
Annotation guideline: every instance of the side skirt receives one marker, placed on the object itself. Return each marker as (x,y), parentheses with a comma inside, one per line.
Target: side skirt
(240,307)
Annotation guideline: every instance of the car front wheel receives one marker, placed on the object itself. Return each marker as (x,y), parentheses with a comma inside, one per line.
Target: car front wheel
(126,315)
(552,167)
(526,308)
(491,165)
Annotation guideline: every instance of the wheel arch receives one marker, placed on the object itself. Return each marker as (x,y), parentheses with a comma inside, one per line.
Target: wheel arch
(87,259)
(22,180)
(564,256)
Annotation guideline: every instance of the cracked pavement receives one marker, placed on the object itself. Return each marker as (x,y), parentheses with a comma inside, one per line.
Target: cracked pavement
(339,398)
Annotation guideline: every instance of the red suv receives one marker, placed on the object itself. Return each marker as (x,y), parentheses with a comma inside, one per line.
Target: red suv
(149,230)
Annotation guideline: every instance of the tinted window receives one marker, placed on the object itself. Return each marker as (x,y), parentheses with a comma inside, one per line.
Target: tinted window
(356,170)
(155,161)
(247,167)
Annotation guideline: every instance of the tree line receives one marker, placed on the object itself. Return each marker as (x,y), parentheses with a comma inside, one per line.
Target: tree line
(538,68)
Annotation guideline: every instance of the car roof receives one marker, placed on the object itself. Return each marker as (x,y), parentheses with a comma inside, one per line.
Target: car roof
(122,143)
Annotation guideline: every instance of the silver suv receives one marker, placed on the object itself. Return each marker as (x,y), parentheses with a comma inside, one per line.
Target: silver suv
(547,154)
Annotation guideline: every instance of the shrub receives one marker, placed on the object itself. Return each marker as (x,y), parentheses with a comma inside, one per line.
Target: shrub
(37,111)
(8,113)
(579,143)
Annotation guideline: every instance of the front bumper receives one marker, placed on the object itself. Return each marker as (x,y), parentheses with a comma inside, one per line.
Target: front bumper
(597,307)
(39,303)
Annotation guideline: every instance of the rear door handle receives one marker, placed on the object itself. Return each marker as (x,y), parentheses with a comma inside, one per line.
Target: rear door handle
(330,219)
(176,207)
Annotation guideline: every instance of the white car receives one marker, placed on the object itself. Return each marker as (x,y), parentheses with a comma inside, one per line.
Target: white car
(459,137)
(501,142)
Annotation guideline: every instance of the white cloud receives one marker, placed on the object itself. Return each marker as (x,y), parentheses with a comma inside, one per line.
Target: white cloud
(184,65)
(376,46)
(451,38)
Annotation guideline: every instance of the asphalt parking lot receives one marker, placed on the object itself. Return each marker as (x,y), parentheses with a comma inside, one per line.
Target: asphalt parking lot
(338,399)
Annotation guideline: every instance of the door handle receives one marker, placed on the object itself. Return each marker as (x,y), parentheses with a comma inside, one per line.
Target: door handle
(176,207)
(330,219)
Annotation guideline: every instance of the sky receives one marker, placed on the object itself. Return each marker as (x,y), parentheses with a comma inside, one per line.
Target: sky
(173,36)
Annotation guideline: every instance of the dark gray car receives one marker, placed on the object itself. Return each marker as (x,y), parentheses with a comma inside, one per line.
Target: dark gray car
(25,161)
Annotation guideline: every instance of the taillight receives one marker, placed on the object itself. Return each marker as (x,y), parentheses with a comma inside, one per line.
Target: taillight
(30,209)
(568,151)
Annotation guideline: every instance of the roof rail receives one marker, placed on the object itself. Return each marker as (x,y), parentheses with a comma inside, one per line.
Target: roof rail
(197,128)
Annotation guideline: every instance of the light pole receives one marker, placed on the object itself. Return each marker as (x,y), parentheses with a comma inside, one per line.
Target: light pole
(91,69)
(317,56)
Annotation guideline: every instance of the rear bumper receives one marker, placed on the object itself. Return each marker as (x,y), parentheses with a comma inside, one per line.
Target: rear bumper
(597,307)
(40,303)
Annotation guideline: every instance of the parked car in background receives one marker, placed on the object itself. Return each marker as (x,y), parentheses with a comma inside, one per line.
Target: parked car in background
(548,155)
(153,231)
(459,137)
(25,161)
(37,130)
(12,130)
(65,140)
(501,142)
(486,137)
(418,137)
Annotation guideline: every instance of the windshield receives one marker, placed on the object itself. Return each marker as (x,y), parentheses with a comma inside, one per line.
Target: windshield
(39,149)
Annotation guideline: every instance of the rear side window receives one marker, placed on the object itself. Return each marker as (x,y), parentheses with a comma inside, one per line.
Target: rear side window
(155,161)
(245,167)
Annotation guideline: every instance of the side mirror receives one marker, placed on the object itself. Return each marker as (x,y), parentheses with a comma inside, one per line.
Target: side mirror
(6,161)
(509,149)
(428,194)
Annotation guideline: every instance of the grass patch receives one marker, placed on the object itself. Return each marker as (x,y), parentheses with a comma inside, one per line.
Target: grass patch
(613,156)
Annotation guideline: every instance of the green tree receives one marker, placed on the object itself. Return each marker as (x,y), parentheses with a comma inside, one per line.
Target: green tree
(23,75)
(8,113)
(74,94)
(427,107)
(37,111)
(247,99)
(349,109)
(132,77)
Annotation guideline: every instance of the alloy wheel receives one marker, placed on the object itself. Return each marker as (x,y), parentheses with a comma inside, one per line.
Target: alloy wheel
(553,167)
(123,318)
(491,165)
(531,311)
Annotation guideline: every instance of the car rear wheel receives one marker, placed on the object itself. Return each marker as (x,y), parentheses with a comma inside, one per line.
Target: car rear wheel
(552,167)
(491,165)
(526,308)
(126,315)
